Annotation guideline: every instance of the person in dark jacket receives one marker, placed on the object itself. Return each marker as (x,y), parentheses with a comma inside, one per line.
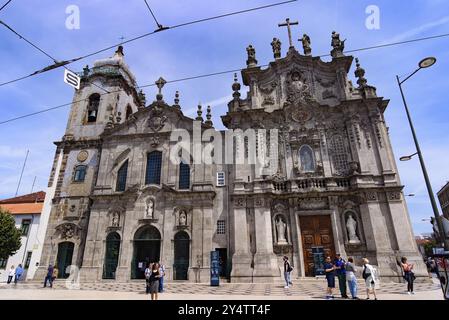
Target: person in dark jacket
(48,277)
(339,264)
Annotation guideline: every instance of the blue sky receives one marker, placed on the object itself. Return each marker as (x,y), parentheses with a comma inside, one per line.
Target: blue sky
(215,46)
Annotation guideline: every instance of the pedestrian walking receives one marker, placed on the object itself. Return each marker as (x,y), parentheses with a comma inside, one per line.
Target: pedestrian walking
(329,268)
(351,277)
(409,275)
(161,279)
(19,272)
(147,278)
(54,275)
(287,273)
(11,274)
(48,276)
(339,264)
(370,278)
(154,281)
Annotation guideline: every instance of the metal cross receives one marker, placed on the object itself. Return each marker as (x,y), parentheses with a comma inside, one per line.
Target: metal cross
(288,24)
(160,84)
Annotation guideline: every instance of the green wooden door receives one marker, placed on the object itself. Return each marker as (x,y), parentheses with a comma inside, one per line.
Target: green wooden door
(64,259)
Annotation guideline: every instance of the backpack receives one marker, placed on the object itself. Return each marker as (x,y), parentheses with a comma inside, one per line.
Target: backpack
(289,267)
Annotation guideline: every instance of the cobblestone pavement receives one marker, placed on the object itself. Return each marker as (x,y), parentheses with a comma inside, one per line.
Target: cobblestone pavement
(302,289)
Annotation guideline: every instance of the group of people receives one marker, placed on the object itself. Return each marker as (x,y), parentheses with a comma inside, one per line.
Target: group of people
(346,273)
(15,273)
(154,276)
(52,274)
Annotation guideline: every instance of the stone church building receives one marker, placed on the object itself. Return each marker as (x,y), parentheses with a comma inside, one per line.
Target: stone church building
(125,194)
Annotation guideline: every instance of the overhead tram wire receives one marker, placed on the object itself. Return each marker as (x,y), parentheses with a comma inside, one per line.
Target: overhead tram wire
(44,52)
(224,72)
(66,62)
(3,6)
(154,17)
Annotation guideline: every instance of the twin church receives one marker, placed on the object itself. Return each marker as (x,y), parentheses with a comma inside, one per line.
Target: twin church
(120,201)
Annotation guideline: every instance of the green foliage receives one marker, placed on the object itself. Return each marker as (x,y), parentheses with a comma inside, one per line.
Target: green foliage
(429,246)
(9,235)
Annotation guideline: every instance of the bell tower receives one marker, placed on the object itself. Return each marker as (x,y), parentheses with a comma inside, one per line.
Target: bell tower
(107,96)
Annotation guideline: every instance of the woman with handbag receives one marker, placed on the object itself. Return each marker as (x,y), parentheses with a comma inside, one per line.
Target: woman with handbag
(370,279)
(409,275)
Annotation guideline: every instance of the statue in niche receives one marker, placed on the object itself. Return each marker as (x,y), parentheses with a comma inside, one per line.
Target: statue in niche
(182,218)
(351,226)
(280,228)
(115,219)
(149,209)
(306,156)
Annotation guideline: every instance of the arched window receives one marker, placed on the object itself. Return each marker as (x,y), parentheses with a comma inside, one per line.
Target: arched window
(339,154)
(307,159)
(80,173)
(129,111)
(121,177)
(154,163)
(92,108)
(184,176)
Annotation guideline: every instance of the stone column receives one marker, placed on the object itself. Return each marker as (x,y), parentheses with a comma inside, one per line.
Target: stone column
(381,137)
(377,238)
(295,240)
(93,257)
(404,233)
(241,258)
(374,224)
(338,229)
(265,261)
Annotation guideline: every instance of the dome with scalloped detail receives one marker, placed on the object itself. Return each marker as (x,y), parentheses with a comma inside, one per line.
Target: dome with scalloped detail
(114,66)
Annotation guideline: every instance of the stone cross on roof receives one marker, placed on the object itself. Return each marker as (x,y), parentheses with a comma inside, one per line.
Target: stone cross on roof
(160,84)
(288,24)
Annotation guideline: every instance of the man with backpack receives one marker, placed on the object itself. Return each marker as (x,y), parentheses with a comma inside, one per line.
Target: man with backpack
(287,273)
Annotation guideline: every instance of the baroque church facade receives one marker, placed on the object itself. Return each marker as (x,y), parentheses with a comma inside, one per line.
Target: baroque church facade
(121,200)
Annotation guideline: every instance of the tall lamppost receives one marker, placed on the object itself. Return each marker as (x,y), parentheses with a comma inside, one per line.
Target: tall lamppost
(425,63)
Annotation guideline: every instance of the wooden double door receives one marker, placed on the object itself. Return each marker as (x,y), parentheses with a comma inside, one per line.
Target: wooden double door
(316,231)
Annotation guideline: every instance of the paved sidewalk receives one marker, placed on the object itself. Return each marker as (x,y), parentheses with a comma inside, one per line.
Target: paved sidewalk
(302,290)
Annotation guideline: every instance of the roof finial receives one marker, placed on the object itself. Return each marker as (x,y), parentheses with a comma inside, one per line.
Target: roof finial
(176,105)
(360,73)
(119,52)
(199,113)
(236,87)
(86,71)
(160,83)
(208,117)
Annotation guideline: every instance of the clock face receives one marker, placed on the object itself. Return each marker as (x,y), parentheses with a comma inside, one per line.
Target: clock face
(82,156)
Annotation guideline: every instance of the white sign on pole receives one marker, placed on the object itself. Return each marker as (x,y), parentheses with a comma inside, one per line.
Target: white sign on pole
(72,79)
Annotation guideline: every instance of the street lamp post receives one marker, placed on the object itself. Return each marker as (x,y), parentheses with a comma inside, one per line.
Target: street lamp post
(425,63)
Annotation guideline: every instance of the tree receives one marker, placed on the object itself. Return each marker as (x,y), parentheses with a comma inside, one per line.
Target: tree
(9,235)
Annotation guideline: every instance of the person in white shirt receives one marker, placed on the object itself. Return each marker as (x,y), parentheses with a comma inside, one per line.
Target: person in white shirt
(12,273)
(370,279)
